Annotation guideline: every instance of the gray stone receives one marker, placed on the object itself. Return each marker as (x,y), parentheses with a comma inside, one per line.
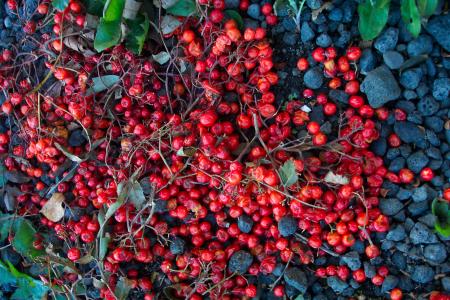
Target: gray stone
(336,284)
(351,259)
(435,253)
(422,45)
(296,278)
(313,78)
(306,33)
(240,261)
(389,283)
(287,226)
(439,28)
(393,59)
(387,40)
(390,206)
(441,88)
(421,234)
(422,274)
(410,78)
(417,161)
(254,11)
(380,87)
(397,233)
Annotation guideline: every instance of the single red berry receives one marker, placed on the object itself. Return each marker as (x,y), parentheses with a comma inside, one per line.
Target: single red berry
(73,254)
(427,174)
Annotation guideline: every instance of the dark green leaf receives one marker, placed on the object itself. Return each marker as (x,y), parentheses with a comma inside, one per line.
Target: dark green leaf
(24,236)
(232,14)
(138,30)
(373,15)
(95,7)
(293,5)
(183,8)
(108,34)
(60,4)
(113,10)
(300,297)
(122,289)
(5,275)
(288,173)
(411,16)
(440,209)
(427,7)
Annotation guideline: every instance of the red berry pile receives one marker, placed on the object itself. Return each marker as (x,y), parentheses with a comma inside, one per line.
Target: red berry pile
(186,170)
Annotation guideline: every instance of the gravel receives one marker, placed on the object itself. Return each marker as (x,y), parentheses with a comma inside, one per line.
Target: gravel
(380,86)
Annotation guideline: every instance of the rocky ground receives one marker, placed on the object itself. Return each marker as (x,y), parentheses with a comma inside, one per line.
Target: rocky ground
(410,76)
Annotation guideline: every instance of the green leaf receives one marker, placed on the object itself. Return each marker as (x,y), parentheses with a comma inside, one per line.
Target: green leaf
(122,289)
(102,83)
(300,297)
(427,7)
(60,4)
(113,10)
(24,238)
(138,30)
(411,16)
(183,8)
(440,209)
(288,174)
(232,14)
(95,7)
(136,194)
(373,15)
(108,34)
(103,247)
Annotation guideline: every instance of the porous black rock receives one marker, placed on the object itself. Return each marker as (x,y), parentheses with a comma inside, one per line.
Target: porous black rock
(417,161)
(313,78)
(421,234)
(390,206)
(336,284)
(435,253)
(387,40)
(240,261)
(296,278)
(245,223)
(422,274)
(287,226)
(351,259)
(439,28)
(177,246)
(380,86)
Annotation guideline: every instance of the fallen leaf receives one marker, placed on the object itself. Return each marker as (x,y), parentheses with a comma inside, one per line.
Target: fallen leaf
(335,178)
(53,209)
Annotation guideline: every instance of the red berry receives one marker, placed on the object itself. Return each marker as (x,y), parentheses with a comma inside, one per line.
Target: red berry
(396,294)
(302,64)
(73,254)
(353,53)
(372,251)
(427,174)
